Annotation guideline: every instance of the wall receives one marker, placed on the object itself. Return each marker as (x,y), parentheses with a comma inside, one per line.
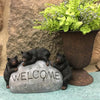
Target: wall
(22,35)
(4,33)
(1,14)
(1,25)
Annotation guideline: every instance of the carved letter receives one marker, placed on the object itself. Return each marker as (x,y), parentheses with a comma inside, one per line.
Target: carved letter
(36,72)
(51,74)
(28,75)
(16,77)
(23,76)
(43,74)
(56,76)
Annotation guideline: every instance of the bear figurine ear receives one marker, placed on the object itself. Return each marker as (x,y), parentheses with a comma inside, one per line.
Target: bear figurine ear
(16,57)
(28,53)
(57,53)
(8,59)
(63,55)
(21,52)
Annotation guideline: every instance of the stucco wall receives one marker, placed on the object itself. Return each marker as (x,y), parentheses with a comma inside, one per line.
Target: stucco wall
(1,14)
(22,35)
(1,25)
(4,34)
(96,50)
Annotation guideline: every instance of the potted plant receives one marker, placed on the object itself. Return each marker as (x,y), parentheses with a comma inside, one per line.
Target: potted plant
(78,21)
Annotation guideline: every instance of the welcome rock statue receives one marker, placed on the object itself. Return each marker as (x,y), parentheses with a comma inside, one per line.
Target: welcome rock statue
(35,78)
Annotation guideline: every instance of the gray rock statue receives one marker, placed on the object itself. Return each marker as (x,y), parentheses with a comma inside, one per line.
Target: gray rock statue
(35,78)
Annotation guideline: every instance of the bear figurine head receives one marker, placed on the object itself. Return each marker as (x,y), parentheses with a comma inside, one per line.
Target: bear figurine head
(13,62)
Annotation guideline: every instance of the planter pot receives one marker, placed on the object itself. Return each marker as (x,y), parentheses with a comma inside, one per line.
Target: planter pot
(78,51)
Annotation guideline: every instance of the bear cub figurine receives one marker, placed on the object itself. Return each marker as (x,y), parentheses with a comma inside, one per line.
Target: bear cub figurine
(11,67)
(33,55)
(62,65)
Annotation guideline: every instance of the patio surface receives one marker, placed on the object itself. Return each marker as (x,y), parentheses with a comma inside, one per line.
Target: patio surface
(90,92)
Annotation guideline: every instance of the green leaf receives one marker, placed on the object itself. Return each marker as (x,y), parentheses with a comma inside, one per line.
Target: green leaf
(65,28)
(81,15)
(78,24)
(61,20)
(85,29)
(37,27)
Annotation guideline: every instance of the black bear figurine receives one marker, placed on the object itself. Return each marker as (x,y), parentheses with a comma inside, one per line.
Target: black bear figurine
(33,55)
(29,57)
(43,54)
(11,67)
(62,65)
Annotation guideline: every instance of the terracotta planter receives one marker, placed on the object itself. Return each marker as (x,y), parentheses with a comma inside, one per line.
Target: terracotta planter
(78,51)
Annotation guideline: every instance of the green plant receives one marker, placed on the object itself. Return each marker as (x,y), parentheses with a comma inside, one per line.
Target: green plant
(72,15)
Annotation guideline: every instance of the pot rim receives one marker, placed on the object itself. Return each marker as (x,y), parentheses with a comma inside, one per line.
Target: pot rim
(79,31)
